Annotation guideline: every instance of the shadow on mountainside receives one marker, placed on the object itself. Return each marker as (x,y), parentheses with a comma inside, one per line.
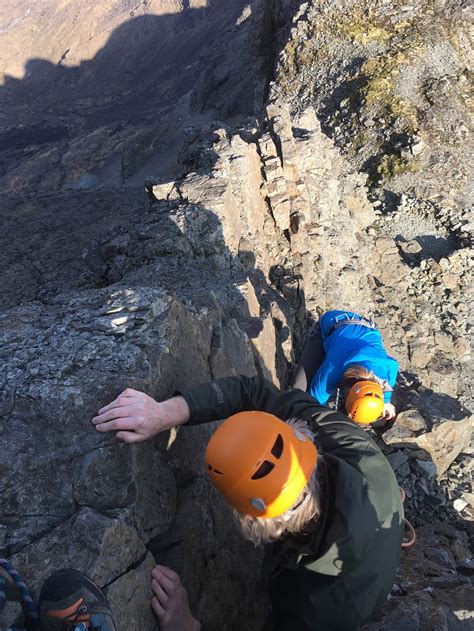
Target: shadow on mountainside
(159,304)
(101,122)
(78,249)
(73,137)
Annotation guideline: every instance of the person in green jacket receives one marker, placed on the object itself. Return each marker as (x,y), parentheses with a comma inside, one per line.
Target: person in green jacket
(303,479)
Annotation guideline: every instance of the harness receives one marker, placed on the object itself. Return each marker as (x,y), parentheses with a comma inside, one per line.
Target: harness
(367,322)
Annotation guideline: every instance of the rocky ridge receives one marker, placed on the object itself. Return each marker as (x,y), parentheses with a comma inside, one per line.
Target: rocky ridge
(234,259)
(389,83)
(219,272)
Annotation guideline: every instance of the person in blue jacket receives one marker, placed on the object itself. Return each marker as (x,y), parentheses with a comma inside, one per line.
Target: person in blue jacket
(344,356)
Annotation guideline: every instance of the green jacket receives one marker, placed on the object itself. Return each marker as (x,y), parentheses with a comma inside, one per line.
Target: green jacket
(335,576)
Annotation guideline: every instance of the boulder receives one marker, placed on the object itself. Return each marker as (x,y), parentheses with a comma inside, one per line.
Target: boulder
(445,442)
(410,420)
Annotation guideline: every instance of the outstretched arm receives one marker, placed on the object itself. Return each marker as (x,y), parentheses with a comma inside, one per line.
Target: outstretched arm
(222,398)
(135,416)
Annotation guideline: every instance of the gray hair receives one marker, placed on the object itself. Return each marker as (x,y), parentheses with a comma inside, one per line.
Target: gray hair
(306,508)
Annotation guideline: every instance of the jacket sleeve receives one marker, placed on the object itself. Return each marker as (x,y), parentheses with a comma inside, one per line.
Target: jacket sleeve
(307,601)
(221,398)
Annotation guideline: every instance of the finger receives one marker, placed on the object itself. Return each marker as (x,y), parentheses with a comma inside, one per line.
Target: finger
(157,608)
(160,593)
(119,412)
(168,584)
(130,437)
(119,400)
(116,403)
(116,424)
(160,570)
(129,392)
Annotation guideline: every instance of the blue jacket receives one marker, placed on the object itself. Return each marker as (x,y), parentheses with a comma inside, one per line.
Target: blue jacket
(346,346)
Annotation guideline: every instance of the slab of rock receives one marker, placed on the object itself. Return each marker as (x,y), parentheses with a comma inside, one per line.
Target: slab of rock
(421,353)
(410,247)
(129,597)
(411,420)
(427,468)
(399,436)
(445,442)
(102,547)
(459,504)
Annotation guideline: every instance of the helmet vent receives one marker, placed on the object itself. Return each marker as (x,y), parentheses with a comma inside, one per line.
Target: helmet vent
(258,503)
(372,394)
(209,468)
(277,448)
(263,470)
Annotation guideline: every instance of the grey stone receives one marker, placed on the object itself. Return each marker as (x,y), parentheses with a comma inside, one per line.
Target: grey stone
(445,442)
(411,420)
(101,547)
(398,436)
(428,469)
(411,247)
(459,505)
(397,459)
(129,597)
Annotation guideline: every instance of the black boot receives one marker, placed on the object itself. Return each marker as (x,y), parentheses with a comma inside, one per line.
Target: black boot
(70,601)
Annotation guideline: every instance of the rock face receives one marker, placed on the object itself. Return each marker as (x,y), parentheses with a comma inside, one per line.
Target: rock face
(389,83)
(78,113)
(436,596)
(248,228)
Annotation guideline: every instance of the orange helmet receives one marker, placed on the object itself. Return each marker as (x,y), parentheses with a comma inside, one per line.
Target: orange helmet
(259,463)
(364,402)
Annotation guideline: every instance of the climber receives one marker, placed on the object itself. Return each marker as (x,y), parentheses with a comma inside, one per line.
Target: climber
(70,601)
(300,476)
(344,356)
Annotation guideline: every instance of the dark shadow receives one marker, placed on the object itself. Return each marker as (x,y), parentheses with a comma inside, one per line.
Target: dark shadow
(75,146)
(391,200)
(128,107)
(431,247)
(90,131)
(436,247)
(350,89)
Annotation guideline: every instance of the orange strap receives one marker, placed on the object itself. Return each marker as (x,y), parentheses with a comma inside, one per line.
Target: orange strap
(407,543)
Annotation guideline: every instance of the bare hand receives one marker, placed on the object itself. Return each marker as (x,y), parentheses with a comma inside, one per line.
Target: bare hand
(136,417)
(170,601)
(389,411)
